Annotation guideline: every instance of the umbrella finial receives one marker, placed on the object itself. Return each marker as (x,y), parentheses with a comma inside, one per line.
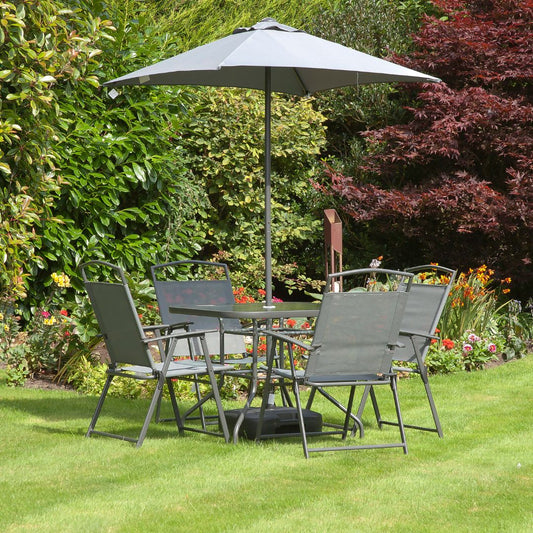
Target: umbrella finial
(268,23)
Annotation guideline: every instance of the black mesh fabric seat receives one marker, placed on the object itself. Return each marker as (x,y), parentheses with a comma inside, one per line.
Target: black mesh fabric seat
(353,344)
(425,303)
(133,349)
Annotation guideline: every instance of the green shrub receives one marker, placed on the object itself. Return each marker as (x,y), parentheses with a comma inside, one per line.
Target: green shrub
(224,135)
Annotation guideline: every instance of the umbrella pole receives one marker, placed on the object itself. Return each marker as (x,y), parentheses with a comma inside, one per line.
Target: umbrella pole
(268,192)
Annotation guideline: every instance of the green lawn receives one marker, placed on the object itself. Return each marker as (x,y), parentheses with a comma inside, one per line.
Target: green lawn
(478,478)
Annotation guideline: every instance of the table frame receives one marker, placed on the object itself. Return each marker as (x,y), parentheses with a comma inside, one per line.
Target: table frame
(255,312)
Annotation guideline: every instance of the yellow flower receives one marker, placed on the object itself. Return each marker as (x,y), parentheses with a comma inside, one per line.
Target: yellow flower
(61,280)
(50,321)
(1,316)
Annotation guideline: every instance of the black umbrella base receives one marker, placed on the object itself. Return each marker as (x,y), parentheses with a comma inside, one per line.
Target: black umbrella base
(277,422)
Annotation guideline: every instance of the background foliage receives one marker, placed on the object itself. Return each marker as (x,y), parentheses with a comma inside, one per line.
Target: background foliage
(87,176)
(157,173)
(91,177)
(454,183)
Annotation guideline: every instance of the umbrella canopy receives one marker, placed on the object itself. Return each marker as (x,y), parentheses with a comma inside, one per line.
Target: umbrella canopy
(270,56)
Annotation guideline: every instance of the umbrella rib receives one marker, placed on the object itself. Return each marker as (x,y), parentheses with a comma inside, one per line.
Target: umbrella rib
(305,91)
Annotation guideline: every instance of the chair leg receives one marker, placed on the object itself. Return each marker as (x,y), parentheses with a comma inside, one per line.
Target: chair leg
(437,429)
(151,409)
(214,389)
(369,391)
(174,401)
(99,405)
(376,407)
(394,388)
(301,420)
(348,412)
(362,403)
(356,418)
(311,398)
(429,395)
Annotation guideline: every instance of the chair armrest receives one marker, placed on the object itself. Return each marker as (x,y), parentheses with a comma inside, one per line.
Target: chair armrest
(286,338)
(180,325)
(419,334)
(167,327)
(396,345)
(179,335)
(155,327)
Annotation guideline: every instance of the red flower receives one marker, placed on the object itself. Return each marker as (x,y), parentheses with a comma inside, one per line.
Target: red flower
(291,322)
(448,344)
(63,312)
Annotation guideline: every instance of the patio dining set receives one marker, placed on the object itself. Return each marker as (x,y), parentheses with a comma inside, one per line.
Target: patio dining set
(376,319)
(358,333)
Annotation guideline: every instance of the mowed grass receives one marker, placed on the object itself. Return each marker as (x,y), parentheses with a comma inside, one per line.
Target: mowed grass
(478,478)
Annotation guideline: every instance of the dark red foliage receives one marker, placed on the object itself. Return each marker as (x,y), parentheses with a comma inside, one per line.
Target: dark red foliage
(456,182)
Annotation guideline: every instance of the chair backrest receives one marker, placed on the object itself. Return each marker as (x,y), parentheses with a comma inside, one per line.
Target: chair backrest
(116,314)
(355,331)
(423,309)
(173,287)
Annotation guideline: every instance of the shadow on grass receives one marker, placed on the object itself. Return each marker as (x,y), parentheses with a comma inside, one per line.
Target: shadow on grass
(119,415)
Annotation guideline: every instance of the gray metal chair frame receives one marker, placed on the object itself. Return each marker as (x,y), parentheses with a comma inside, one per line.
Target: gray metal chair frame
(129,349)
(353,345)
(424,307)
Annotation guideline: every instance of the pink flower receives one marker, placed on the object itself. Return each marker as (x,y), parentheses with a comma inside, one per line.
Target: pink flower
(492,347)
(46,314)
(467,348)
(473,338)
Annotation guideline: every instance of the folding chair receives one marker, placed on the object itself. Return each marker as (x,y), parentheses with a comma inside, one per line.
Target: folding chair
(353,345)
(130,349)
(423,310)
(203,283)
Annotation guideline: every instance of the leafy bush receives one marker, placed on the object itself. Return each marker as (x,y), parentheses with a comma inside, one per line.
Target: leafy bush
(224,137)
(471,352)
(473,303)
(86,176)
(476,325)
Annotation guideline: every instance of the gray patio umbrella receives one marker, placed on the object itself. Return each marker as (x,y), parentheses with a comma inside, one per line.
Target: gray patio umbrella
(270,56)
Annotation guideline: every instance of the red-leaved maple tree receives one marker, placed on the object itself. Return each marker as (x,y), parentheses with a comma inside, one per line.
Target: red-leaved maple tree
(455,184)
